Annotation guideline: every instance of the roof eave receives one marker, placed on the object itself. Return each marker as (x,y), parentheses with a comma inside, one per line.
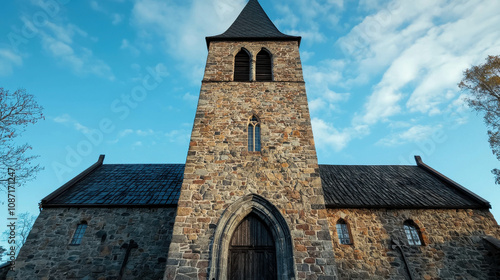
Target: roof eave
(73,181)
(345,206)
(210,39)
(493,241)
(69,205)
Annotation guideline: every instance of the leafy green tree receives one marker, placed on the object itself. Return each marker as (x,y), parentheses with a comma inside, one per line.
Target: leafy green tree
(482,82)
(17,110)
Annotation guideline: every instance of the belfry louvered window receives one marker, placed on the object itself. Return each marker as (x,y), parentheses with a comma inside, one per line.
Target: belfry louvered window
(242,66)
(80,231)
(254,135)
(343,232)
(412,233)
(263,66)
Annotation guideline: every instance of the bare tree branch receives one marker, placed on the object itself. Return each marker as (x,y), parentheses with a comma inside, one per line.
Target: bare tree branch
(17,111)
(24,224)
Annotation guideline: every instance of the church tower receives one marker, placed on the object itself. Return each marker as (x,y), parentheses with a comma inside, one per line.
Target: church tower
(251,204)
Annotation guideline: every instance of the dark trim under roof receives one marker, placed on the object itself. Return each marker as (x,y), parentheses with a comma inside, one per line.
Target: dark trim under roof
(252,24)
(493,241)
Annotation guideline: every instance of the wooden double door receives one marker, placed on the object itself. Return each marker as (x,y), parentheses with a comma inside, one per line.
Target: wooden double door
(252,252)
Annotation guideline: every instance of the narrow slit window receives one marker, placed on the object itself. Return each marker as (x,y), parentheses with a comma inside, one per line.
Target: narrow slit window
(343,232)
(80,231)
(412,233)
(254,135)
(264,71)
(242,66)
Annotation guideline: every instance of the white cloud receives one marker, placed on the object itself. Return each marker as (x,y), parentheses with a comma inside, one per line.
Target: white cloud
(190,97)
(306,55)
(96,7)
(383,103)
(327,136)
(180,136)
(127,46)
(67,120)
(310,22)
(413,53)
(316,104)
(414,134)
(421,49)
(8,60)
(117,19)
(138,144)
(146,132)
(309,36)
(183,28)
(58,40)
(125,132)
(320,79)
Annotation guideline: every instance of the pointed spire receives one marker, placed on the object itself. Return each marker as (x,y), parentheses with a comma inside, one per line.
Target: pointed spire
(252,24)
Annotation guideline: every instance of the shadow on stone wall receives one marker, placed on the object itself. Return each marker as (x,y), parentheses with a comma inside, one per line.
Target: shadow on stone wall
(48,254)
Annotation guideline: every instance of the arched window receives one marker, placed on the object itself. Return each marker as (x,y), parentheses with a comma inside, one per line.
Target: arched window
(80,231)
(343,232)
(254,135)
(242,66)
(412,233)
(263,68)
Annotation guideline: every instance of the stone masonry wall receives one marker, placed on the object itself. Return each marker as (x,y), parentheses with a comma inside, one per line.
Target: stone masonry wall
(219,169)
(48,255)
(453,244)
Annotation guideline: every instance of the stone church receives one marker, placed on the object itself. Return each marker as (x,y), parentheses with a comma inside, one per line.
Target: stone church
(252,202)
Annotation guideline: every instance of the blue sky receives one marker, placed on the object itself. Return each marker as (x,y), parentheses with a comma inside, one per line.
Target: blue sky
(122,77)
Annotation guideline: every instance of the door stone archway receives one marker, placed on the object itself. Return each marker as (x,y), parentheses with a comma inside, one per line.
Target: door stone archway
(268,215)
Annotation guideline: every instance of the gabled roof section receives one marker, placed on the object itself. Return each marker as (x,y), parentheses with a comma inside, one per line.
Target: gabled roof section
(122,185)
(393,186)
(344,186)
(252,24)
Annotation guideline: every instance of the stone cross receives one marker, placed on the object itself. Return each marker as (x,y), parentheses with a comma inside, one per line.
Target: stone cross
(131,245)
(396,244)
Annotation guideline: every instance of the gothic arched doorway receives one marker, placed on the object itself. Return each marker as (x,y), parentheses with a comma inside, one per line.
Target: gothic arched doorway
(252,251)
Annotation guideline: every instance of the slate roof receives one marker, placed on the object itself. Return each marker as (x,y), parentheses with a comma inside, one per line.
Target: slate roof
(372,186)
(124,184)
(252,24)
(392,186)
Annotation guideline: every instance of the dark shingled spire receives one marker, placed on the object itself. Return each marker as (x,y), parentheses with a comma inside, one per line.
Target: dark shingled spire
(252,24)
